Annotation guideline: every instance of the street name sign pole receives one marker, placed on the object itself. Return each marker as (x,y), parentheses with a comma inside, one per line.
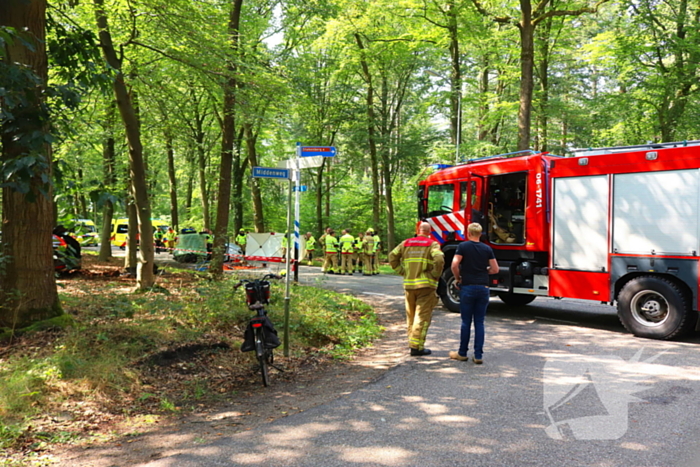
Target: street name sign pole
(304,152)
(282,174)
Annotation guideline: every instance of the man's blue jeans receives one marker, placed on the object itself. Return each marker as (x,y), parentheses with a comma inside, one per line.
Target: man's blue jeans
(474,299)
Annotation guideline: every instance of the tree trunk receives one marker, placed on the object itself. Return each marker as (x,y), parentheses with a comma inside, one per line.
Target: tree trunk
(389,198)
(131,256)
(250,141)
(543,113)
(327,192)
(228,132)
(190,184)
(319,199)
(202,172)
(455,77)
(82,203)
(682,72)
(145,277)
(239,167)
(527,57)
(108,161)
(371,124)
(27,284)
(564,134)
(482,131)
(174,220)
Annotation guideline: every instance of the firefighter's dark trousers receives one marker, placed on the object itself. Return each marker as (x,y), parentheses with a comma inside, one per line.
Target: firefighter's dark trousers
(419,313)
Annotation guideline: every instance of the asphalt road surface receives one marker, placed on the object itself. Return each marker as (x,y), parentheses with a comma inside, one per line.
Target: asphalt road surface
(562,385)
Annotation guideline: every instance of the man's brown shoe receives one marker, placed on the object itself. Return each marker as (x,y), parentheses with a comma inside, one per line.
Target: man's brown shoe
(478,361)
(456,356)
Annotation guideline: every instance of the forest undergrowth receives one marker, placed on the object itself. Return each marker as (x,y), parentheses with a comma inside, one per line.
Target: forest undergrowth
(129,356)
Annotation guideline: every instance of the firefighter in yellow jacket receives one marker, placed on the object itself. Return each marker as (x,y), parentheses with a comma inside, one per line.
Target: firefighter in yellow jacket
(367,253)
(322,247)
(419,260)
(310,248)
(357,254)
(377,252)
(347,249)
(331,252)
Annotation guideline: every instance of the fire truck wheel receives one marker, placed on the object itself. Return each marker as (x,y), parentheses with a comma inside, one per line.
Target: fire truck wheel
(516,299)
(450,294)
(654,307)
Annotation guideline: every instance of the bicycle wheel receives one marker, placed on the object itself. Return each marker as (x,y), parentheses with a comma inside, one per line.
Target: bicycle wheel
(263,369)
(263,355)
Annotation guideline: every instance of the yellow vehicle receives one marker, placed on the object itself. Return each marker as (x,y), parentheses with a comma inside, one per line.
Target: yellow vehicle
(120,229)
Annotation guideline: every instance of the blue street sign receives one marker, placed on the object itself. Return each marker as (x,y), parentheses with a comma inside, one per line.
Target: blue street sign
(270,172)
(301,188)
(325,151)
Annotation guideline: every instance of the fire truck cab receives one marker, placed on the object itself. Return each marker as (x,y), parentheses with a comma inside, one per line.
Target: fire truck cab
(615,225)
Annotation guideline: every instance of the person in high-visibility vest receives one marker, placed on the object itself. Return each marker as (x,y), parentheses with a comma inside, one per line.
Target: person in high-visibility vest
(357,252)
(158,238)
(346,242)
(241,240)
(331,250)
(170,237)
(322,246)
(419,260)
(367,253)
(310,248)
(377,251)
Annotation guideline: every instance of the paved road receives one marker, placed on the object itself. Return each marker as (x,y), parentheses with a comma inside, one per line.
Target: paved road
(562,385)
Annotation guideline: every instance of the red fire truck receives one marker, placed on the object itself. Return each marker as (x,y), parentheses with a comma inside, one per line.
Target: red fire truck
(615,225)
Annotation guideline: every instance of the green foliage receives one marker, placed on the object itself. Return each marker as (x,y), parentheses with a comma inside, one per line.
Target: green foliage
(334,323)
(110,333)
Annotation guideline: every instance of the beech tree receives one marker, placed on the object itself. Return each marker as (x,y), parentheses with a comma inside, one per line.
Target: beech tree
(27,285)
(145,277)
(526,23)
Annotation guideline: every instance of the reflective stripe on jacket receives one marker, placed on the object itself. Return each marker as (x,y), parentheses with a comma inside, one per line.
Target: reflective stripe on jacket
(357,245)
(420,261)
(368,245)
(346,242)
(331,244)
(377,243)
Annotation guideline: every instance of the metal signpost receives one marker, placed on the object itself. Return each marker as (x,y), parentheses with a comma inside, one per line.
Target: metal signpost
(305,152)
(291,171)
(281,174)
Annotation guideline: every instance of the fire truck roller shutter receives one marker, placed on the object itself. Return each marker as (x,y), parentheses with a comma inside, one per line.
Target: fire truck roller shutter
(581,223)
(656,214)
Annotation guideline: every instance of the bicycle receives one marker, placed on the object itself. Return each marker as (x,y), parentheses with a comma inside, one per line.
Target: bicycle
(260,334)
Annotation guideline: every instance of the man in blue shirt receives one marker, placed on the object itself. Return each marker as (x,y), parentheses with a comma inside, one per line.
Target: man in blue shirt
(472,264)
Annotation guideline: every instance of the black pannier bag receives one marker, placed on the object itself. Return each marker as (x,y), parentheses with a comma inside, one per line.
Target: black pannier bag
(272,341)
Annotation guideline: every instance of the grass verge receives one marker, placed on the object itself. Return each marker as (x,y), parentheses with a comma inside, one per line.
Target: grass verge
(128,354)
